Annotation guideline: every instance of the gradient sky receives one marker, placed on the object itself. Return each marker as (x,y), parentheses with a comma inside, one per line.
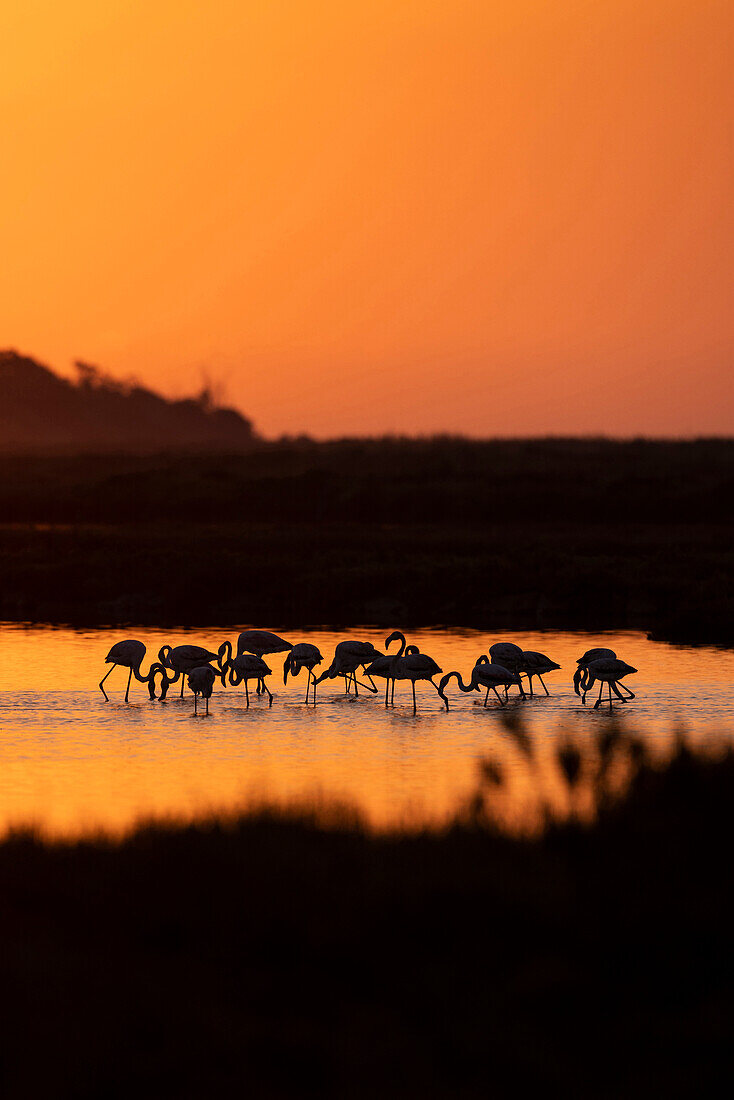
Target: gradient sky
(379,215)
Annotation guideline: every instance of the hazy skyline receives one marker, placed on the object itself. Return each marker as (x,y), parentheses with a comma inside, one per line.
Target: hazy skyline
(508,218)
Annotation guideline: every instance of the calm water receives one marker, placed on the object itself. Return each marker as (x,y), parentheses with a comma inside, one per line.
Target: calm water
(70,761)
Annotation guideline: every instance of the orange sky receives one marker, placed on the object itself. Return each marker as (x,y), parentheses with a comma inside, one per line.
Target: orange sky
(379,215)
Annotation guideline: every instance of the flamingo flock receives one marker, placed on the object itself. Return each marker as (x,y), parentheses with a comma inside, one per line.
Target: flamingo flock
(502,668)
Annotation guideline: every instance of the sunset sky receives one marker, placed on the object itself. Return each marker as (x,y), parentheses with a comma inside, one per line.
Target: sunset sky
(363,216)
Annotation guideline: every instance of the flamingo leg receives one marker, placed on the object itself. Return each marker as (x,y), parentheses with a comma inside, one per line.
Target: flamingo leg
(356,689)
(183,681)
(530,682)
(502,702)
(207,706)
(392,693)
(486,697)
(374,685)
(413,686)
(106,696)
(387,689)
(601,689)
(545,689)
(308,684)
(196,699)
(127,690)
(269,693)
(247,694)
(615,688)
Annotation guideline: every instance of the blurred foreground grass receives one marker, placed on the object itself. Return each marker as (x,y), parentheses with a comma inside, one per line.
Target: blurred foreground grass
(281,954)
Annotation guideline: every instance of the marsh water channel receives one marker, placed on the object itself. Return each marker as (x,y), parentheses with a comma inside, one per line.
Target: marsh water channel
(70,762)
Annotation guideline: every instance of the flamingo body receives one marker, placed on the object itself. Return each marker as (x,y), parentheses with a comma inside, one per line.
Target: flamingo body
(585,660)
(246,667)
(129,653)
(303,655)
(607,670)
(348,656)
(486,674)
(535,664)
(508,656)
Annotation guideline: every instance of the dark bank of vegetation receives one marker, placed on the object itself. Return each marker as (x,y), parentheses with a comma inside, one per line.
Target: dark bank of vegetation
(529,534)
(292,954)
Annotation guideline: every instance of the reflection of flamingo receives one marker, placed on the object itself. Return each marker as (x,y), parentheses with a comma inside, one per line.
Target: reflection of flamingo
(303,655)
(130,654)
(182,659)
(201,682)
(535,664)
(382,665)
(484,674)
(348,656)
(411,666)
(508,655)
(607,670)
(249,667)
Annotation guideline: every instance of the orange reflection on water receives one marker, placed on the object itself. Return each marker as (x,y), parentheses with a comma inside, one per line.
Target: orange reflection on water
(70,761)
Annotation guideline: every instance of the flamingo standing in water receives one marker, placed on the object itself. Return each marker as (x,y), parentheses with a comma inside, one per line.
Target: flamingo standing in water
(382,665)
(535,664)
(413,666)
(348,656)
(607,670)
(249,667)
(303,655)
(129,654)
(508,655)
(201,681)
(484,674)
(585,660)
(261,642)
(182,659)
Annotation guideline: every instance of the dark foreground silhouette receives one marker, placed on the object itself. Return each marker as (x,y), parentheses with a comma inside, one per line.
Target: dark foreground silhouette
(295,954)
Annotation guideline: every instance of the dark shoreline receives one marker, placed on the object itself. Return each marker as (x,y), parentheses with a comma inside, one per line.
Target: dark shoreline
(565,577)
(513,535)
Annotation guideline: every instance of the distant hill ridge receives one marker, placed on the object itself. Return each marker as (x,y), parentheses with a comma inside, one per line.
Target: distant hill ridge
(42,412)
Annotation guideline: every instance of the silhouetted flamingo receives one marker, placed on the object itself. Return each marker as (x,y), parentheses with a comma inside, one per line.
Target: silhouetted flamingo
(584,661)
(246,667)
(348,656)
(201,681)
(182,659)
(129,654)
(303,655)
(381,665)
(484,674)
(535,664)
(413,666)
(509,656)
(608,670)
(261,642)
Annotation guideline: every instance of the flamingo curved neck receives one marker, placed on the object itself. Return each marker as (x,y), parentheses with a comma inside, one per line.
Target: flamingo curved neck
(397,636)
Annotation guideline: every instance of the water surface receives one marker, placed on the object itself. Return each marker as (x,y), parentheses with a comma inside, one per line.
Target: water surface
(70,761)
